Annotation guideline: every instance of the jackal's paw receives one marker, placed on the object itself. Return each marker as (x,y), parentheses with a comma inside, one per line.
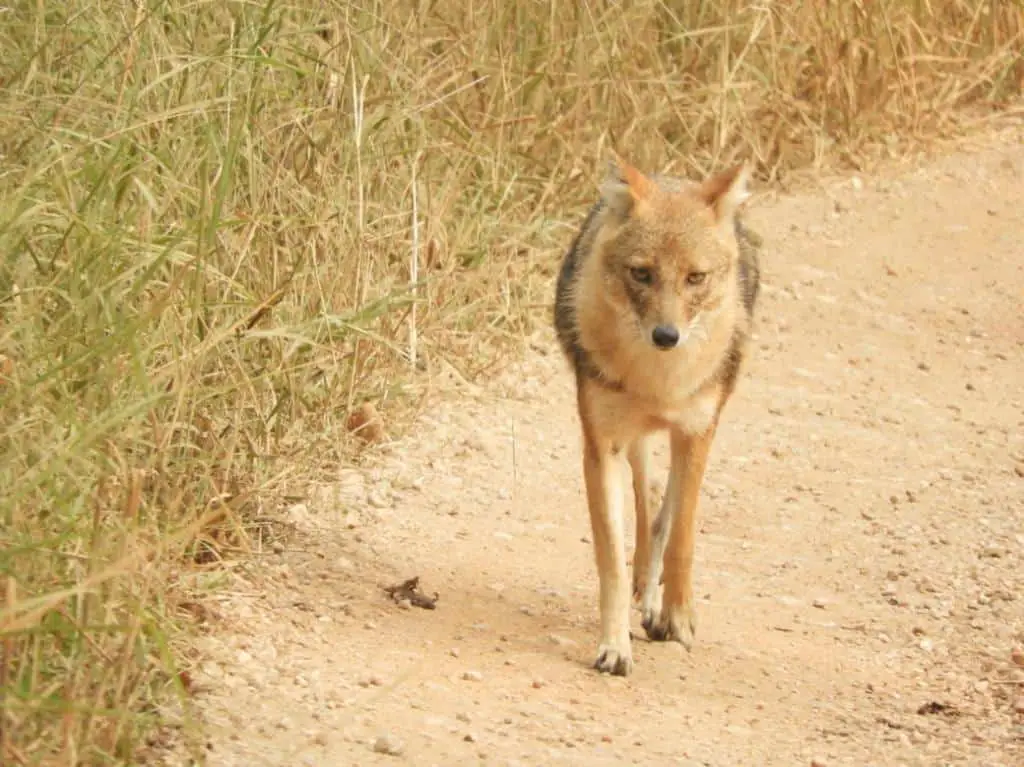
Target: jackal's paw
(674,624)
(614,659)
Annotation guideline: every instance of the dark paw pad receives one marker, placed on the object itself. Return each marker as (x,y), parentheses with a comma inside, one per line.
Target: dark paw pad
(612,662)
(658,631)
(668,629)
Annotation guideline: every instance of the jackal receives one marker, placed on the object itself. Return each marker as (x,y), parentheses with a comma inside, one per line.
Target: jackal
(653,310)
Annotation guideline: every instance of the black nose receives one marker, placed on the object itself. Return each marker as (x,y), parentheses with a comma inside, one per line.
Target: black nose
(665,336)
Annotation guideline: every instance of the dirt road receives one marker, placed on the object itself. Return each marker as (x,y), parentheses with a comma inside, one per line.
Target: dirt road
(859,563)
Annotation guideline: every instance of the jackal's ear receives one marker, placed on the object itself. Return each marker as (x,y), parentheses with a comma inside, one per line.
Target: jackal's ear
(624,186)
(725,192)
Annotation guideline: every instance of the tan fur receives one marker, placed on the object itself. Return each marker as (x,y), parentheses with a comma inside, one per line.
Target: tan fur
(607,312)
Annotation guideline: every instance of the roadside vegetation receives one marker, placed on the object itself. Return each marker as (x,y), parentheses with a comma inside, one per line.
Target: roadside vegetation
(224,226)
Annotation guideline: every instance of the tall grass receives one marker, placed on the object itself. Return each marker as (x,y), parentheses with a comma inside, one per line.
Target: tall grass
(211,254)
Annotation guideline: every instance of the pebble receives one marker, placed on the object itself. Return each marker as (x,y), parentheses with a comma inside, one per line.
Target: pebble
(388,744)
(561,641)
(472,676)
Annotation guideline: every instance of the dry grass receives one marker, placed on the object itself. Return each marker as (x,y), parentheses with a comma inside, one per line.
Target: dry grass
(224,225)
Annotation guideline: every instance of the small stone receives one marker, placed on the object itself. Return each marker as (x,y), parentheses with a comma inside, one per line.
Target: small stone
(819,603)
(818,763)
(277,547)
(388,744)
(462,716)
(454,652)
(472,676)
(537,684)
(1018,705)
(561,641)
(344,563)
(469,737)
(1017,656)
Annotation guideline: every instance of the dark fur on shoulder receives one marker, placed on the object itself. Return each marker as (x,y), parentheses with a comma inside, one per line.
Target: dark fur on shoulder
(565,315)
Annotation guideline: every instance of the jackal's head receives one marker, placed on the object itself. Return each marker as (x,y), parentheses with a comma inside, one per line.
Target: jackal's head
(668,250)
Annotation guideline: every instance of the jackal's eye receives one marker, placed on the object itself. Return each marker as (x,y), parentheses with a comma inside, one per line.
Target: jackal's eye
(696,278)
(641,274)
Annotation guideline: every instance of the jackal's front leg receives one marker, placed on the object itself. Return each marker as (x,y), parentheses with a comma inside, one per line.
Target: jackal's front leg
(638,463)
(603,474)
(674,534)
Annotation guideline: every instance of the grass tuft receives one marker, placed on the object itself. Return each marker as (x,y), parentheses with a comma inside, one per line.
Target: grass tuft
(226,225)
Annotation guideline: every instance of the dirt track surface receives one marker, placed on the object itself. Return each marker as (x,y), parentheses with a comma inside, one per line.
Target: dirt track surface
(859,563)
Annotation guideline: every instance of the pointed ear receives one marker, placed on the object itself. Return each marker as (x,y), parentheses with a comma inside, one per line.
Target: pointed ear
(624,186)
(726,191)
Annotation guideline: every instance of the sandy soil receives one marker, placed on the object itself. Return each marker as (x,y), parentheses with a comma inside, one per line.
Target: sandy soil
(859,563)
